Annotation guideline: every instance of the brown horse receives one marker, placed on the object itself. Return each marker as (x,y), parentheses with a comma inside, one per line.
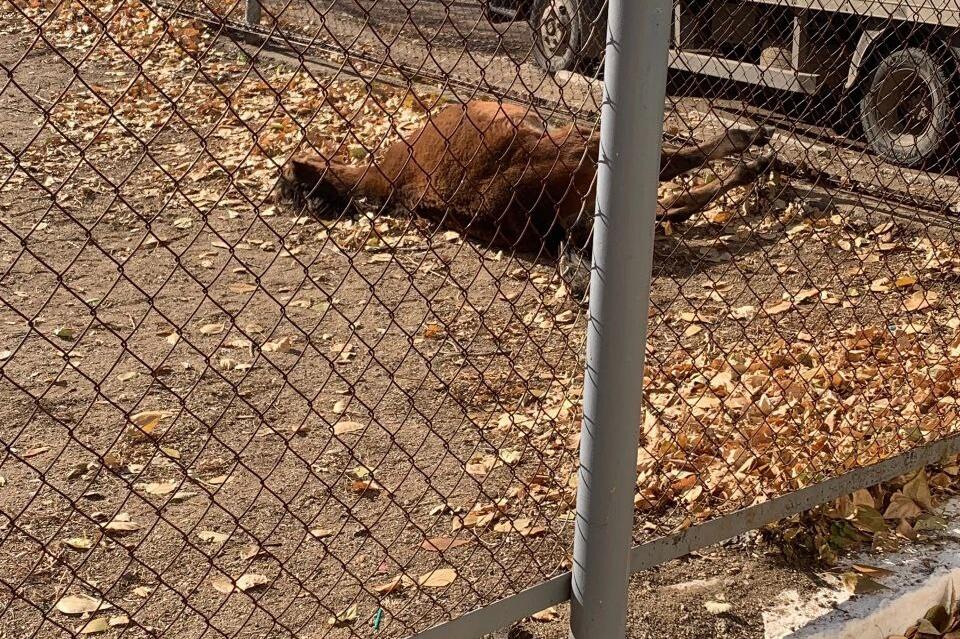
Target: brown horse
(498,174)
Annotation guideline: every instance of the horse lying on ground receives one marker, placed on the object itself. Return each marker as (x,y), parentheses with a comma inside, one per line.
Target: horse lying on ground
(501,176)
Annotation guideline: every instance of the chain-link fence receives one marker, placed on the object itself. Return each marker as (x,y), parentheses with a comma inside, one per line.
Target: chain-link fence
(293,299)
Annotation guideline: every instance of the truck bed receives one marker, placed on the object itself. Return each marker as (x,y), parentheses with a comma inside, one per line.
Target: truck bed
(939,12)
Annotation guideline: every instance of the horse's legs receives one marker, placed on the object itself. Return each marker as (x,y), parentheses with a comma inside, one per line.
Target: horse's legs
(675,161)
(681,206)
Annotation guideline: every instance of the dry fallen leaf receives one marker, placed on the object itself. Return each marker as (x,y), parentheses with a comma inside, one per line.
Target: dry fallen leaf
(906,280)
(859,584)
(121,525)
(80,604)
(182,496)
(79,543)
(510,457)
(282,345)
(362,486)
(805,294)
(344,618)
(862,497)
(251,580)
(322,533)
(902,507)
(871,571)
(744,312)
(212,537)
(170,452)
(437,578)
(693,329)
(545,615)
(480,466)
(119,620)
(345,352)
(433,331)
(242,288)
(147,421)
(222,584)
(211,329)
(828,297)
(918,490)
(522,525)
(920,301)
(345,428)
(397,584)
(95,626)
(256,551)
(440,544)
(778,307)
(159,488)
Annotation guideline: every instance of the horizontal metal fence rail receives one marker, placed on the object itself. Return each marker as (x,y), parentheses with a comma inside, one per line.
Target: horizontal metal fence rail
(651,554)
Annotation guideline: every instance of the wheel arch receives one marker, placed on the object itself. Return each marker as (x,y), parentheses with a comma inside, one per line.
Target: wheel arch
(879,39)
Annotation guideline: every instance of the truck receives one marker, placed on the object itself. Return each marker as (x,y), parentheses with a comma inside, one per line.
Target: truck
(895,62)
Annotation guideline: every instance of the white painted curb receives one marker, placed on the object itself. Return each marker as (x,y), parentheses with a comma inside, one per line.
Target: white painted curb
(924,575)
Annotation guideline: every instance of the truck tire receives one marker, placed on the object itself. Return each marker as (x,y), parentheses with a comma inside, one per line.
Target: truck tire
(559,34)
(907,108)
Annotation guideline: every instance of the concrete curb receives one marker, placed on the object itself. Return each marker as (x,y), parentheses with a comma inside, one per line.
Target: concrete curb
(924,575)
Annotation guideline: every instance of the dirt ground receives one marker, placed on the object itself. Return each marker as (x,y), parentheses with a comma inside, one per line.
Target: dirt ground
(449,45)
(223,418)
(675,599)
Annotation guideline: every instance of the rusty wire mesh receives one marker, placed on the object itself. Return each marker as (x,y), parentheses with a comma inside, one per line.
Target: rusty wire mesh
(230,415)
(807,325)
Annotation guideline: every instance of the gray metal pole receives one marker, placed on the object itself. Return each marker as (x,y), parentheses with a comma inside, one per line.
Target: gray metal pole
(630,133)
(253,13)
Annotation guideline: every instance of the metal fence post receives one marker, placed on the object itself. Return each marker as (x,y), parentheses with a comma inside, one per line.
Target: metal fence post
(253,13)
(631,129)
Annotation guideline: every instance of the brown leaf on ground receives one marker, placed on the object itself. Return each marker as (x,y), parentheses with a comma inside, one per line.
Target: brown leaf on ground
(920,300)
(80,604)
(776,308)
(439,578)
(918,490)
(902,507)
(251,580)
(546,615)
(440,544)
(859,584)
(96,626)
(397,584)
(344,618)
(347,427)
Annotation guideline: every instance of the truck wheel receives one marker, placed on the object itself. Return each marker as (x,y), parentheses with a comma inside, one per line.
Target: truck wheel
(558,33)
(908,107)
